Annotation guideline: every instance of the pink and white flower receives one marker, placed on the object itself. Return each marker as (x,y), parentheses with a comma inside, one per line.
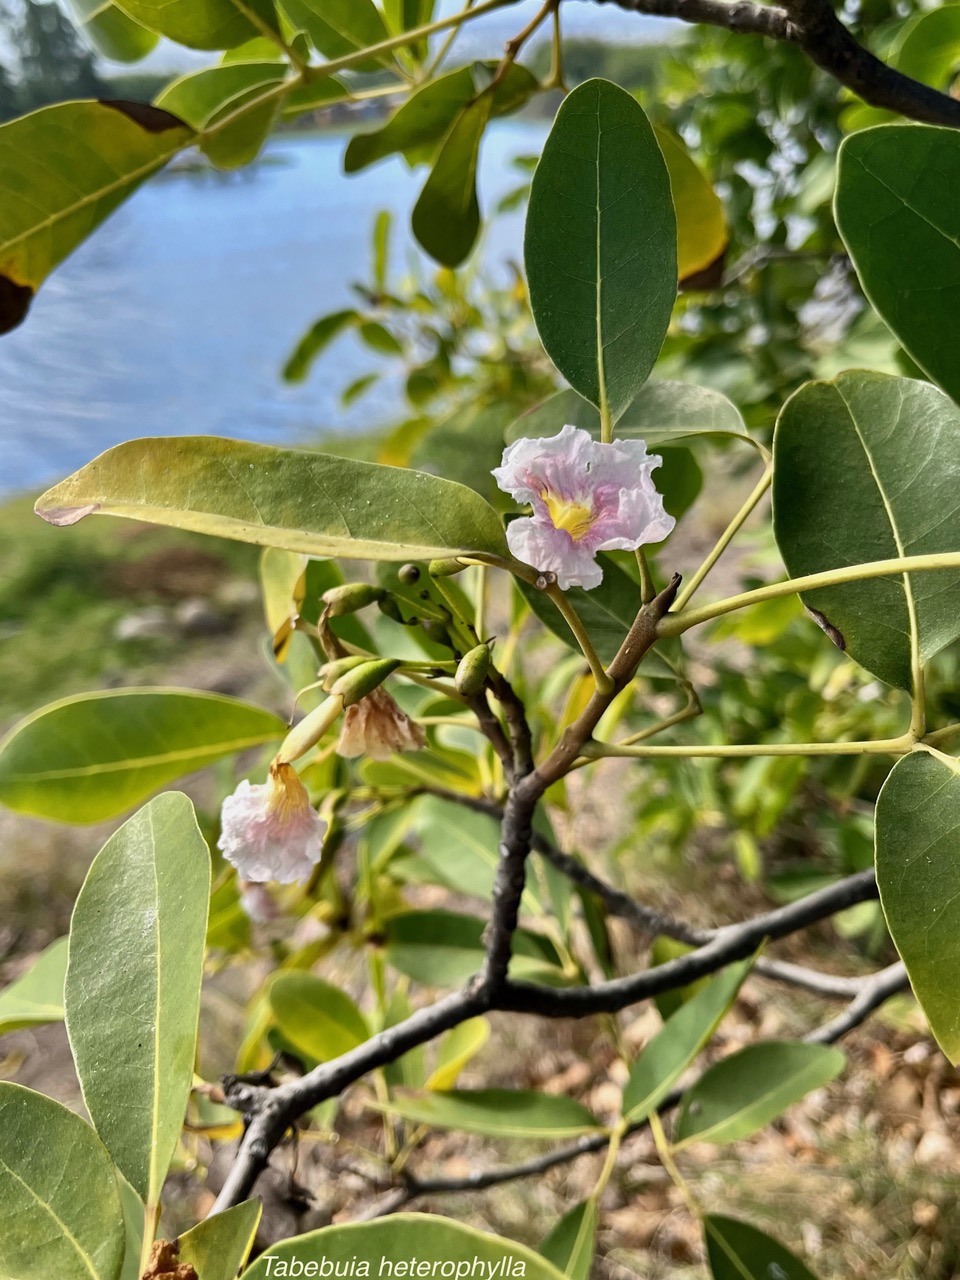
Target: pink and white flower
(271,831)
(586,497)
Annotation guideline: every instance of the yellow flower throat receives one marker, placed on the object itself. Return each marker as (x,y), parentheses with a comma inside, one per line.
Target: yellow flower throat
(576,519)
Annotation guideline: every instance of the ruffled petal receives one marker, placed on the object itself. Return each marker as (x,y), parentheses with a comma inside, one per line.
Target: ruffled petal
(586,497)
(271,831)
(538,543)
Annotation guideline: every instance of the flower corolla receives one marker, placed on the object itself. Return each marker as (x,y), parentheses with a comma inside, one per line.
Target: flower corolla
(586,497)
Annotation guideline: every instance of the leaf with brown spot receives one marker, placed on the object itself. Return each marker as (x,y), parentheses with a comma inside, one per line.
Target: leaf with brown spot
(153,119)
(63,170)
(15,302)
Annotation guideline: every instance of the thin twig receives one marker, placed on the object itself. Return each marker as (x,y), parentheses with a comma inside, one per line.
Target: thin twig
(870,993)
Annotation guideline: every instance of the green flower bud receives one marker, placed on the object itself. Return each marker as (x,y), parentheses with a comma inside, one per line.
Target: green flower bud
(437,632)
(331,672)
(390,608)
(351,597)
(445,568)
(356,684)
(472,671)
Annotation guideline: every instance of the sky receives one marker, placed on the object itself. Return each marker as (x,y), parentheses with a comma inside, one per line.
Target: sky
(486,34)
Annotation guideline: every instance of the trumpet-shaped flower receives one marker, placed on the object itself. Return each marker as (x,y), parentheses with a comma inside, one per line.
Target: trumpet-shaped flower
(376,727)
(271,831)
(586,497)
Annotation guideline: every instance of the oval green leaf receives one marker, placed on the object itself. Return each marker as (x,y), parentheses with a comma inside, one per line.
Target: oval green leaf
(572,1243)
(337,28)
(929,46)
(601,245)
(662,412)
(68,1227)
(234,105)
(664,1060)
(702,235)
(134,1219)
(204,24)
(918,874)
(737,1251)
(898,211)
(446,217)
(743,1092)
(111,32)
(289,498)
(316,1017)
(132,992)
(36,997)
(445,948)
(400,1238)
(419,126)
(497,1113)
(458,1047)
(462,849)
(96,755)
(864,469)
(63,169)
(218,1247)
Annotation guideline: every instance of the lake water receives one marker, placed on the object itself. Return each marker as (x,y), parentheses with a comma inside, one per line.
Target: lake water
(176,316)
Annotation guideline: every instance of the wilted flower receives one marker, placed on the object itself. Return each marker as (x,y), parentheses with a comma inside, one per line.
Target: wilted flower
(586,497)
(376,727)
(271,831)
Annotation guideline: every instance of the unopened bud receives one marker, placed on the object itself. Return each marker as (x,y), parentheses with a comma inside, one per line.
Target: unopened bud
(356,684)
(445,568)
(437,632)
(472,671)
(350,597)
(331,672)
(390,608)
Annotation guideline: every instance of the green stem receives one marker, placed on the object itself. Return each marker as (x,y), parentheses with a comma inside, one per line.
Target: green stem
(555,79)
(942,735)
(574,622)
(666,1159)
(647,588)
(880,747)
(731,531)
(444,49)
(268,33)
(480,617)
(674,624)
(610,1163)
(689,712)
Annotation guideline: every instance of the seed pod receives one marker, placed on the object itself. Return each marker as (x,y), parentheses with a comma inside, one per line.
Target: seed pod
(350,597)
(472,671)
(356,684)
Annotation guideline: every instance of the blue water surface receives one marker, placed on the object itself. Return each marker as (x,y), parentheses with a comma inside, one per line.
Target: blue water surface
(176,316)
